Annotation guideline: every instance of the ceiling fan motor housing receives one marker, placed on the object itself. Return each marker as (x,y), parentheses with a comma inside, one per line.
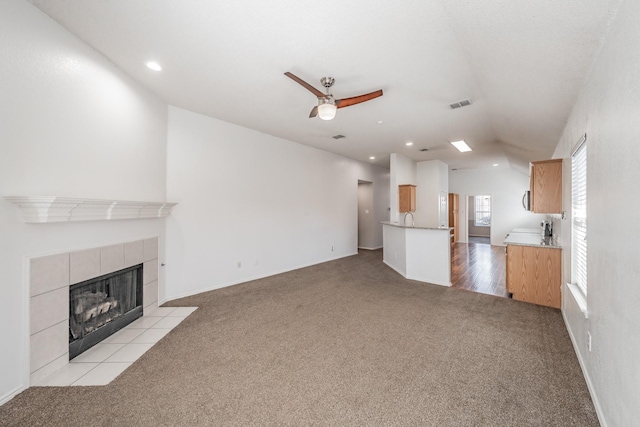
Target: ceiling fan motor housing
(327,82)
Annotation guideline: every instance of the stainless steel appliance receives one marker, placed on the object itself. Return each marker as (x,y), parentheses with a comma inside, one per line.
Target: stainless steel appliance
(526,200)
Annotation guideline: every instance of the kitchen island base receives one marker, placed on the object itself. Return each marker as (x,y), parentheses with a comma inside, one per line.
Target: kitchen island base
(418,253)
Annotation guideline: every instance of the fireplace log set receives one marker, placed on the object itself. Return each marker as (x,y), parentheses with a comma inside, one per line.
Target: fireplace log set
(91,311)
(102,306)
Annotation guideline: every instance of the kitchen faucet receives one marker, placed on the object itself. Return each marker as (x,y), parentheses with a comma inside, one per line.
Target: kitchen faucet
(404,220)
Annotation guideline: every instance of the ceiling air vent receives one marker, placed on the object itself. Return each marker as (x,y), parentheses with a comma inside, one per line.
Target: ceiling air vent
(459,104)
(338,136)
(423,149)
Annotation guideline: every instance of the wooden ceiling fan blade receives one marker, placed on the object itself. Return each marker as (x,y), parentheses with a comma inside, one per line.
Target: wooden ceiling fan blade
(301,82)
(314,112)
(341,103)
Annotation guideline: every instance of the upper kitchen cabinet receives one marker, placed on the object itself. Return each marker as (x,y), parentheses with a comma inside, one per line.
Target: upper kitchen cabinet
(546,186)
(407,198)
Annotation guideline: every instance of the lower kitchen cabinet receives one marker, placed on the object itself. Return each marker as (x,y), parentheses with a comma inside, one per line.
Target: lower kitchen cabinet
(534,274)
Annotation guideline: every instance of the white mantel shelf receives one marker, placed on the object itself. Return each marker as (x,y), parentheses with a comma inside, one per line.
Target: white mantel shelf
(44,209)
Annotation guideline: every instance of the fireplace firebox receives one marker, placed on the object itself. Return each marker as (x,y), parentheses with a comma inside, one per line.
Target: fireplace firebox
(101,306)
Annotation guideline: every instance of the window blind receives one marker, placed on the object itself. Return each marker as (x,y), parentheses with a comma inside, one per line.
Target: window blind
(579,216)
(482,211)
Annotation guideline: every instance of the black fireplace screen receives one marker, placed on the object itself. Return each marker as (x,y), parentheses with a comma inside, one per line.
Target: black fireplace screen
(101,306)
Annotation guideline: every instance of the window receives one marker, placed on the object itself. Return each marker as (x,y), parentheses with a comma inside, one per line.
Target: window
(579,216)
(482,214)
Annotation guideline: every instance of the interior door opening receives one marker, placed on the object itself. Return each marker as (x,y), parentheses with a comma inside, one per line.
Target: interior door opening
(479,208)
(365,215)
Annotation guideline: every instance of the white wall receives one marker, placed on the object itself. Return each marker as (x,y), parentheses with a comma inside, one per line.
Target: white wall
(506,187)
(432,180)
(381,204)
(607,111)
(402,170)
(270,204)
(72,125)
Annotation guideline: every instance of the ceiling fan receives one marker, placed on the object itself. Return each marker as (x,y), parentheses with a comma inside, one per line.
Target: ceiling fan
(327,104)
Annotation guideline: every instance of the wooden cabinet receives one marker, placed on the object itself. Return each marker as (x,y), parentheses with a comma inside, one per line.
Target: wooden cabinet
(454,216)
(546,186)
(534,274)
(407,198)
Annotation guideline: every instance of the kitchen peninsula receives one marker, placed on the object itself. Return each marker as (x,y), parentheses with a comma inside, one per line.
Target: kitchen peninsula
(418,252)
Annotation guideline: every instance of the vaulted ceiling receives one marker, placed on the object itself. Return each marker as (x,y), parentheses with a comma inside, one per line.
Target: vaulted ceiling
(520,62)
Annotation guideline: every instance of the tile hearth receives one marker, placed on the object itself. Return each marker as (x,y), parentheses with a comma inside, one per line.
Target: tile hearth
(102,363)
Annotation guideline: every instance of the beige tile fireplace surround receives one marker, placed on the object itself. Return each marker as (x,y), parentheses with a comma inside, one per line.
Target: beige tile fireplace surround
(49,280)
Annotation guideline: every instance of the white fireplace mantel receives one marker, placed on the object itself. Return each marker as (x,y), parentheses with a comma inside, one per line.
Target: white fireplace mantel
(43,209)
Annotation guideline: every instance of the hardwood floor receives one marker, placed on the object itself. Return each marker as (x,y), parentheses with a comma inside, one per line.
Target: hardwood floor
(479,239)
(480,268)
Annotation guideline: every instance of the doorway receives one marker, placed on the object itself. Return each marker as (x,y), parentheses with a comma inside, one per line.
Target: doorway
(476,265)
(366,223)
(479,215)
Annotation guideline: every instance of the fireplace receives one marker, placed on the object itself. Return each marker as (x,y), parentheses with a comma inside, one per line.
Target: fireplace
(50,279)
(101,306)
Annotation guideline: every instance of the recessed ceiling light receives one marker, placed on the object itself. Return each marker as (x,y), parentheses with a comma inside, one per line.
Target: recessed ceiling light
(409,144)
(153,65)
(380,122)
(461,146)
(495,164)
(372,157)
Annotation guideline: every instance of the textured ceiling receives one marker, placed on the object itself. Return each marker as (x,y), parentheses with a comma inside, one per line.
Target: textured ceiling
(521,62)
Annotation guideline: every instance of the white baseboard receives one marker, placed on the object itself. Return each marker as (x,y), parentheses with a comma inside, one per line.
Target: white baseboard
(585,374)
(10,395)
(370,249)
(249,279)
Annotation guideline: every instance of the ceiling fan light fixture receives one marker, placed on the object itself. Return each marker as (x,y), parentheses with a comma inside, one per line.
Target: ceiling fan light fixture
(327,105)
(153,66)
(327,109)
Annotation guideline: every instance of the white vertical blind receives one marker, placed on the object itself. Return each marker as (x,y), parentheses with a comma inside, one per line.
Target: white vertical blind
(482,211)
(579,216)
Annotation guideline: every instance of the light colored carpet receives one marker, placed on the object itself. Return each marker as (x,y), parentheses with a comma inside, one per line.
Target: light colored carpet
(348,342)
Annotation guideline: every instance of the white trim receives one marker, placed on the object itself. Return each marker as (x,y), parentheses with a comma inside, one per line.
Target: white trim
(11,394)
(168,298)
(44,209)
(578,144)
(585,374)
(25,331)
(370,249)
(580,298)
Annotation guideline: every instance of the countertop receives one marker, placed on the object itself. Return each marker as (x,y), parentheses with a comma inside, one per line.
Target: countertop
(531,239)
(527,230)
(418,226)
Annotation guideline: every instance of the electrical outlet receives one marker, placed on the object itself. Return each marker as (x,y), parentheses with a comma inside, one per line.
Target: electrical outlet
(332,248)
(239,264)
(589,340)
